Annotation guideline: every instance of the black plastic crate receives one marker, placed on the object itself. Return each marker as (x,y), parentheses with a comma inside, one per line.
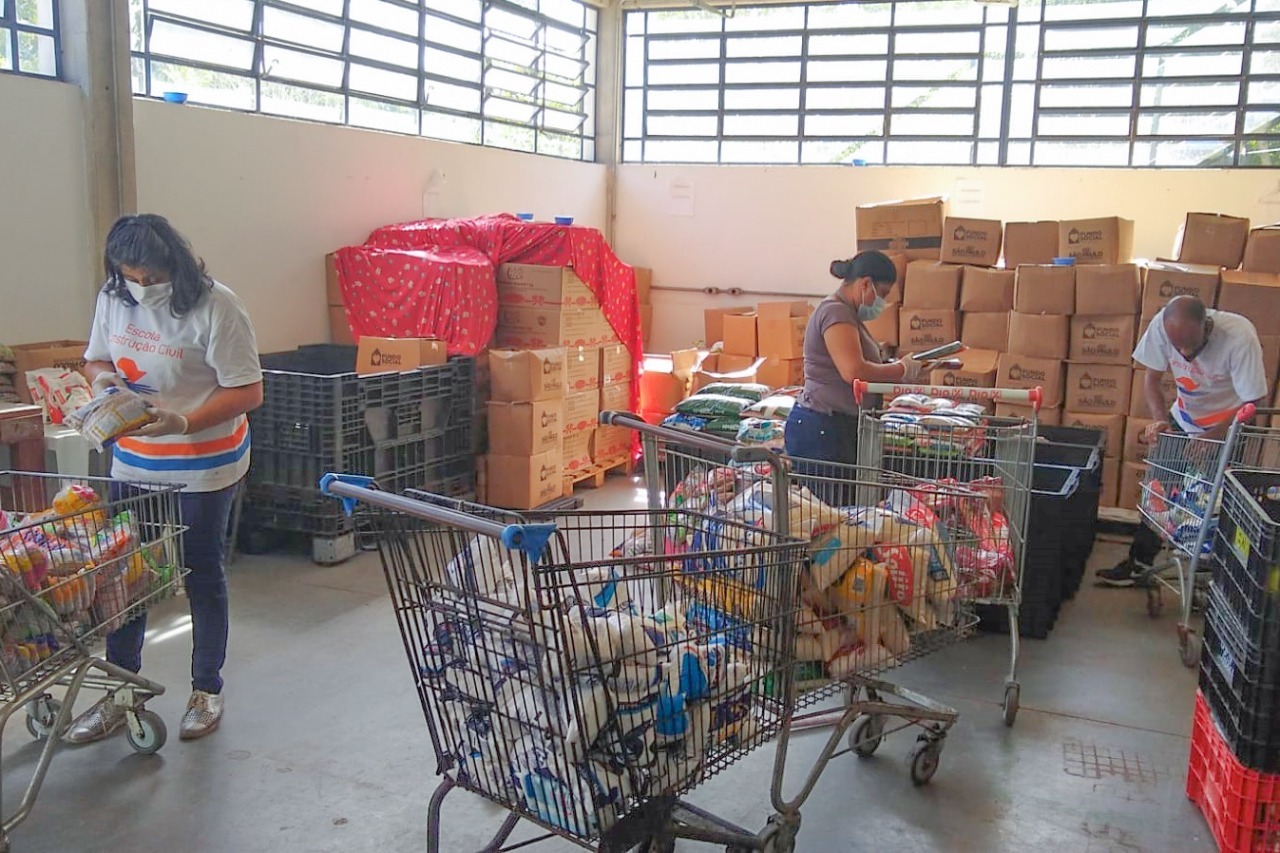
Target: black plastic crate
(1240,678)
(1079,448)
(1245,545)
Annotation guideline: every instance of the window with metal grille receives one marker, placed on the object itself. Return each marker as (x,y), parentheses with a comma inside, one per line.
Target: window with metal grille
(1049,82)
(29,39)
(516,74)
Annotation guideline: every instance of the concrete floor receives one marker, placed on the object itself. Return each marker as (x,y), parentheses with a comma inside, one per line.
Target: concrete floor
(324,747)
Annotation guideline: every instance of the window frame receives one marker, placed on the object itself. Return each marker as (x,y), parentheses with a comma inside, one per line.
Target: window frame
(9,22)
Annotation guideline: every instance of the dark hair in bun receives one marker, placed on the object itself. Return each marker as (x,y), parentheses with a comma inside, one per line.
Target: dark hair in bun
(874,265)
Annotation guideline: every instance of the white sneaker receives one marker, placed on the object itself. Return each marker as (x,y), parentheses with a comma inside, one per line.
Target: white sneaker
(103,718)
(204,712)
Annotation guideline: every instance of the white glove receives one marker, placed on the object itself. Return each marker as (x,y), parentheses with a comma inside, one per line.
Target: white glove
(165,423)
(913,372)
(108,379)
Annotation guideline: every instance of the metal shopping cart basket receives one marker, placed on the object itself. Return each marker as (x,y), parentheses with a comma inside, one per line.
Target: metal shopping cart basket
(878,589)
(584,670)
(1179,500)
(992,455)
(79,557)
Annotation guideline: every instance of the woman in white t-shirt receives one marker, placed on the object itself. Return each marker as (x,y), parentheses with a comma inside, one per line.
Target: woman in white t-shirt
(165,329)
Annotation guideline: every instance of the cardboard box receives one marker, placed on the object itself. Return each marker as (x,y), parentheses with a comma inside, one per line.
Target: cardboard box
(971,241)
(1167,279)
(1110,483)
(1046,416)
(522,327)
(884,329)
(1020,371)
(1107,240)
(339,329)
(64,355)
(1108,289)
(581,411)
(576,454)
(525,429)
(582,369)
(615,364)
(912,227)
(1103,339)
(660,388)
(1262,250)
(333,288)
(1255,295)
(644,284)
(615,398)
(609,443)
(932,285)
(740,335)
(780,328)
(1130,485)
(535,286)
(1134,449)
(646,324)
(713,322)
(900,262)
(1045,289)
(725,368)
(781,373)
(398,355)
(1112,427)
(521,376)
(1137,396)
(983,289)
(1270,357)
(922,329)
(985,331)
(1030,243)
(1039,335)
(524,482)
(979,371)
(1101,389)
(1214,239)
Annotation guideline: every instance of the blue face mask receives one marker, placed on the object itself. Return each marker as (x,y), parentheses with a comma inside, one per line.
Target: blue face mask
(867,313)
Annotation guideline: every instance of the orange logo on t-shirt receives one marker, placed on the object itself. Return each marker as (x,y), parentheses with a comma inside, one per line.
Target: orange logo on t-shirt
(133,375)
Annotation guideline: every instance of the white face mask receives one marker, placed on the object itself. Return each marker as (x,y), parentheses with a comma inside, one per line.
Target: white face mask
(153,296)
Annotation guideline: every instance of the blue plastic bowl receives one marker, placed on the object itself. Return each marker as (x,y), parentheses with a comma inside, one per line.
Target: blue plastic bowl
(564,220)
(526,217)
(176,97)
(1064,262)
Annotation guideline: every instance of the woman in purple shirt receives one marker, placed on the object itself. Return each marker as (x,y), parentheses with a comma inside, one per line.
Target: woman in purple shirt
(823,425)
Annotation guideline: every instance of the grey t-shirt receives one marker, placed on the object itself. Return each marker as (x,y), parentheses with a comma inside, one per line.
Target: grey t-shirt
(824,389)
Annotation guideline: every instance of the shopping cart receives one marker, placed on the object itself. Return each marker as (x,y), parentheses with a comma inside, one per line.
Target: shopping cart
(1179,499)
(79,557)
(584,670)
(878,589)
(990,454)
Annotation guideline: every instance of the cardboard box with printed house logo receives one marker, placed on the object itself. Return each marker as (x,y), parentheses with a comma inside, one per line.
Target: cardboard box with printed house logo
(1107,240)
(398,355)
(1101,389)
(1030,243)
(524,482)
(1166,279)
(1046,416)
(1111,426)
(525,429)
(1020,371)
(1103,339)
(978,371)
(922,329)
(521,376)
(971,241)
(609,443)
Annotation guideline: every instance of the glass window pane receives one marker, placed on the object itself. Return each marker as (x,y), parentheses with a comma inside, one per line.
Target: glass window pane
(567,11)
(514,111)
(1084,95)
(930,124)
(785,46)
(379,116)
(1262,121)
(1260,153)
(386,49)
(761,125)
(674,75)
(762,99)
(1264,62)
(451,96)
(851,98)
(841,16)
(450,127)
(1073,10)
(137,68)
(842,151)
(235,14)
(683,99)
(912,153)
(1026,53)
(1190,94)
(443,63)
(848,71)
(1089,67)
(562,121)
(559,145)
(766,18)
(328,7)
(6,50)
(935,69)
(1183,153)
(1266,32)
(1264,91)
(632,151)
(1083,124)
(991,112)
(843,125)
(1195,35)
(937,42)
(677,48)
(936,97)
(1195,7)
(35,13)
(1081,154)
(278,62)
(201,46)
(684,22)
(988,153)
(37,54)
(137,25)
(848,44)
(509,81)
(501,135)
(376,81)
(1192,64)
(762,72)
(937,12)
(215,88)
(681,151)
(759,152)
(387,16)
(1057,39)
(686,125)
(298,102)
(452,34)
(302,29)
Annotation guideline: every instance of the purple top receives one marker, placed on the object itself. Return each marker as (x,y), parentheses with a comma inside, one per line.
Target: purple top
(824,389)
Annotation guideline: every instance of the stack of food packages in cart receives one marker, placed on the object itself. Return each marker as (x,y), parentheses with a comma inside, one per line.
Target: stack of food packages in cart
(70,568)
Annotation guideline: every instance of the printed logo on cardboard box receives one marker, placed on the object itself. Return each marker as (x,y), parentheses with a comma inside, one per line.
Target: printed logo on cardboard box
(549,419)
(962,234)
(952,380)
(1075,236)
(1020,374)
(1089,383)
(391,359)
(1168,290)
(1092,332)
(918,323)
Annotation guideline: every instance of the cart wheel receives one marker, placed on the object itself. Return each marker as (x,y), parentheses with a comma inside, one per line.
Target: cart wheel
(1155,603)
(778,838)
(150,734)
(866,734)
(40,727)
(1189,647)
(1012,693)
(925,756)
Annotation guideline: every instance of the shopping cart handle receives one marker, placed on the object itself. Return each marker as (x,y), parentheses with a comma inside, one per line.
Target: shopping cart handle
(532,539)
(1247,413)
(1033,397)
(348,503)
(715,444)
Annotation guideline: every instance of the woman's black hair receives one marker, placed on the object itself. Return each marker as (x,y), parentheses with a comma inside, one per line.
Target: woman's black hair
(872,264)
(149,242)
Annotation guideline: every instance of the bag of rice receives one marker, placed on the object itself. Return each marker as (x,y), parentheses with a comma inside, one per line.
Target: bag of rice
(770,433)
(777,407)
(712,406)
(747,391)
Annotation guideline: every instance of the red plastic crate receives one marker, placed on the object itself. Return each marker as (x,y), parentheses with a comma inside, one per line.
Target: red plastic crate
(1242,806)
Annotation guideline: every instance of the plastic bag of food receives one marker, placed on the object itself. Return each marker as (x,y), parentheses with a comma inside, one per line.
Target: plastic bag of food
(116,412)
(762,431)
(59,392)
(774,407)
(712,405)
(746,391)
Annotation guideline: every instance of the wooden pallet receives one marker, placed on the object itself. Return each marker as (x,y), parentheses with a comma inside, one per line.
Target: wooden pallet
(594,477)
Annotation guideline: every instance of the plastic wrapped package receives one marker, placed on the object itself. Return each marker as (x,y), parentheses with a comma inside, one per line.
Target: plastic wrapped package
(712,406)
(115,412)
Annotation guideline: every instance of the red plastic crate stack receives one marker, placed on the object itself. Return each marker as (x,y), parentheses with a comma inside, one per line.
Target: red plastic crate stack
(1242,806)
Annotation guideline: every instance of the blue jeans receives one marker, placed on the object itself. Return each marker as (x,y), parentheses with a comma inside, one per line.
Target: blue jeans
(204,545)
(813,438)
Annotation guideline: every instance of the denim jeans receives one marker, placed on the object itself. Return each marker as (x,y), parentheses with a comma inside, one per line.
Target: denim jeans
(814,438)
(206,515)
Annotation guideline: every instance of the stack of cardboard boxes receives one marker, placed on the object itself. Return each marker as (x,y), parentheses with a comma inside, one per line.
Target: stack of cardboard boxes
(764,344)
(524,468)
